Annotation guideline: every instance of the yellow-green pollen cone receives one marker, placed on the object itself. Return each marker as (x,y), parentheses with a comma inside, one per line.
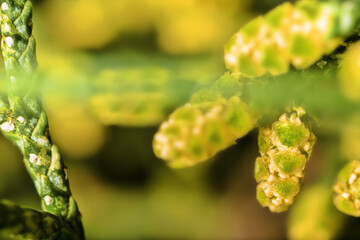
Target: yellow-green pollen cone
(285,147)
(209,123)
(347,189)
(297,35)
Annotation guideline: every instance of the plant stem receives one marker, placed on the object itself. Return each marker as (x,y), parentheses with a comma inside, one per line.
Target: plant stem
(23,120)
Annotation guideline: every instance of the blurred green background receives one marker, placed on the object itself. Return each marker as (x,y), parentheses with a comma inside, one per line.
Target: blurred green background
(110,71)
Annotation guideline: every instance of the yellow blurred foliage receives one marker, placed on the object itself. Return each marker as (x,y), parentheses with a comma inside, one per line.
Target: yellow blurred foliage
(131,97)
(72,126)
(314,216)
(193,26)
(80,23)
(349,75)
(133,109)
(74,130)
(350,138)
(187,26)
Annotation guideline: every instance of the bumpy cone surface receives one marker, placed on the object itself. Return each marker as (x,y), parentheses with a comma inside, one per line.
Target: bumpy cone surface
(285,147)
(211,122)
(347,189)
(297,34)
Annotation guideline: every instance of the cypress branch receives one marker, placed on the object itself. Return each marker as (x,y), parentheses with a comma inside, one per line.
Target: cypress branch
(23,120)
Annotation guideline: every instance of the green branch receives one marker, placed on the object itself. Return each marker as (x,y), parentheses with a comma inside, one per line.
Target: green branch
(23,120)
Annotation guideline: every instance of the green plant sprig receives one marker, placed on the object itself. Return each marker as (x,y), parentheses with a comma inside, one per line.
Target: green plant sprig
(23,120)
(296,35)
(31,224)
